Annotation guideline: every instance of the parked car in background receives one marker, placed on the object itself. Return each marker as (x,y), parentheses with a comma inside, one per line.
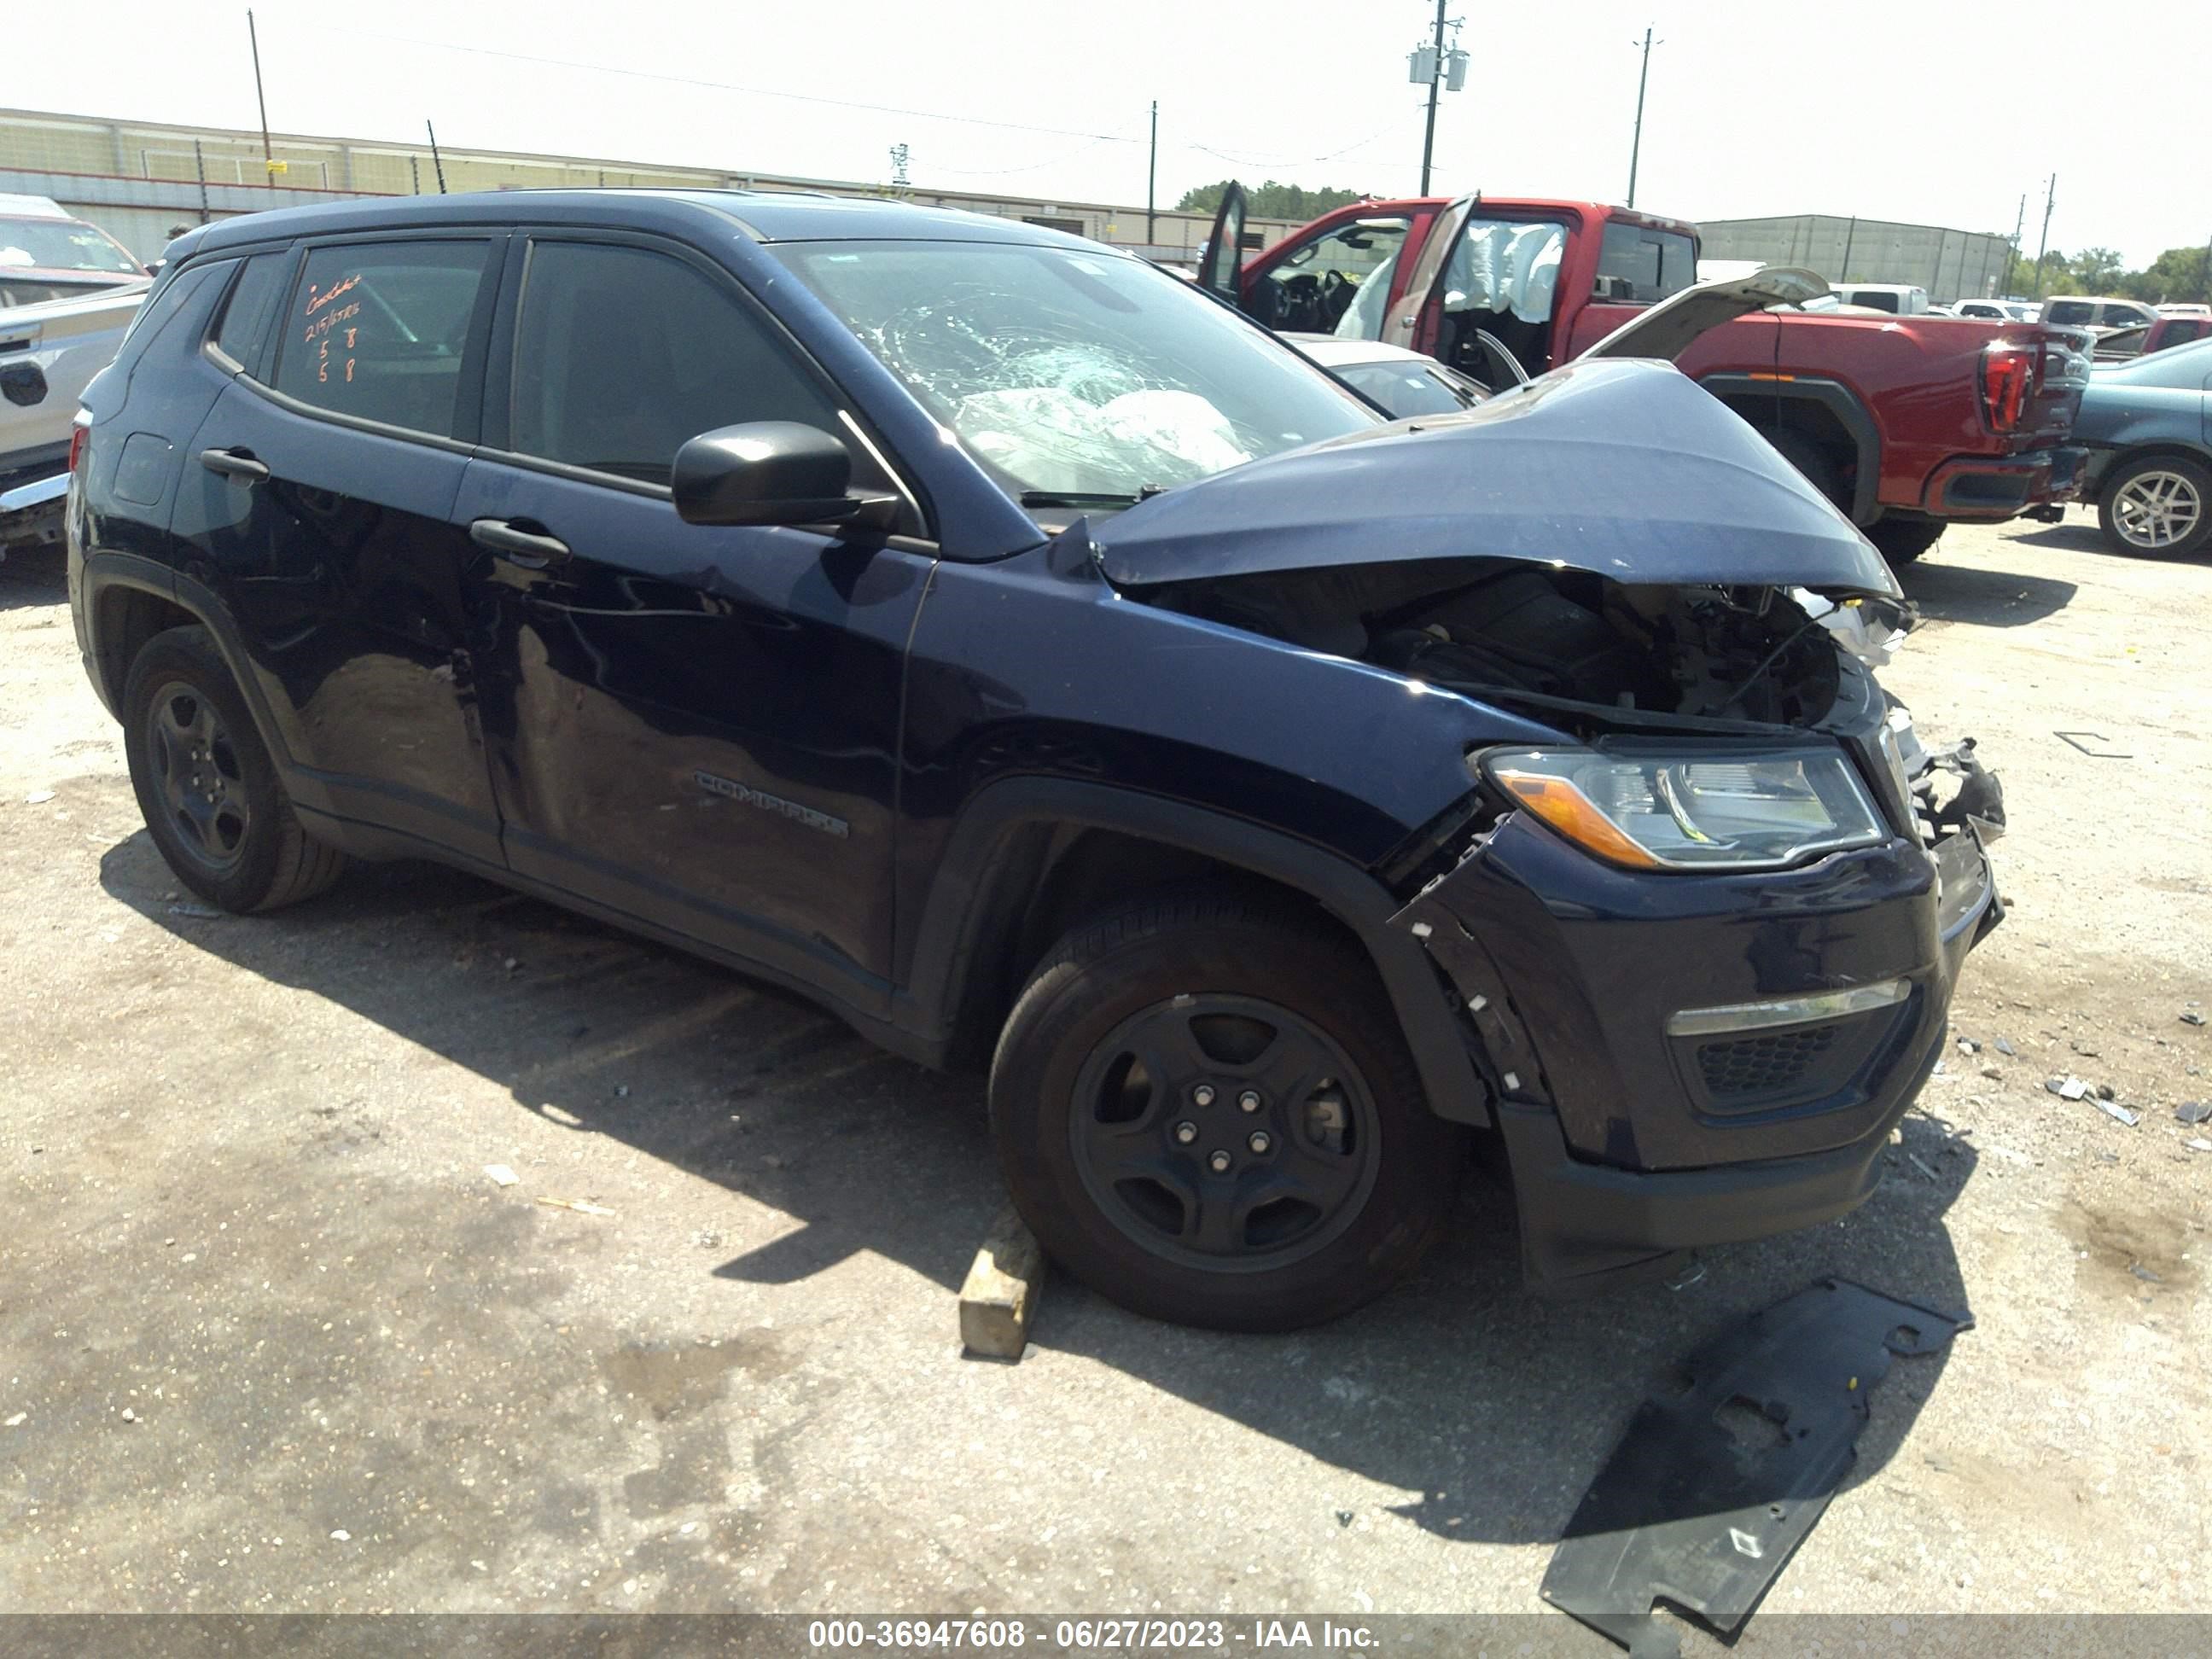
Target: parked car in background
(2083,311)
(1898,299)
(1405,383)
(1905,422)
(47,254)
(2148,428)
(1998,311)
(2160,334)
(2193,308)
(998,639)
(48,353)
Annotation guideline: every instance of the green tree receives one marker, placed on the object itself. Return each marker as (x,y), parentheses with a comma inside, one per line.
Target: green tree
(2179,276)
(1270,200)
(2096,270)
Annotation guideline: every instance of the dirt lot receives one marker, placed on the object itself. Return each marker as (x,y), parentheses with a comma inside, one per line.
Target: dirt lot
(270,1339)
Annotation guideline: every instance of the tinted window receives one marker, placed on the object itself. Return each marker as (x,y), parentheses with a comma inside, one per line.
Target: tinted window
(1872,300)
(246,314)
(622,356)
(2180,331)
(1636,263)
(2069,311)
(379,330)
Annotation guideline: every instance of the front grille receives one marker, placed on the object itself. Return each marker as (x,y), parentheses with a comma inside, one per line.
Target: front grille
(1771,1063)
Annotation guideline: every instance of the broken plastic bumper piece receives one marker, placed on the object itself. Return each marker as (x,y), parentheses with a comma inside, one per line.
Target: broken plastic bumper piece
(1713,1486)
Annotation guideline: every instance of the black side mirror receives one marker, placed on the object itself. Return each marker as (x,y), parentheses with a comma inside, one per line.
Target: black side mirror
(765,472)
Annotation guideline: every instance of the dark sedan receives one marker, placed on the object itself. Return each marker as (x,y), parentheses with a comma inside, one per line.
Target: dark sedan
(2148,427)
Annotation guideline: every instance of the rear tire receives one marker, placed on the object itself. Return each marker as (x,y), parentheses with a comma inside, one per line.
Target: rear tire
(2160,505)
(205,783)
(1118,1101)
(1901,541)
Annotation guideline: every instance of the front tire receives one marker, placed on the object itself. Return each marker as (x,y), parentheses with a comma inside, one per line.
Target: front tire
(205,783)
(1206,1112)
(2160,505)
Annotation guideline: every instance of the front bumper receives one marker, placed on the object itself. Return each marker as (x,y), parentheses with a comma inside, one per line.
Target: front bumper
(1994,487)
(1627,1144)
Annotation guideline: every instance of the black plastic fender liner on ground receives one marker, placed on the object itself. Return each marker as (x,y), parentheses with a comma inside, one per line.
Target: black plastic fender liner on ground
(1711,1490)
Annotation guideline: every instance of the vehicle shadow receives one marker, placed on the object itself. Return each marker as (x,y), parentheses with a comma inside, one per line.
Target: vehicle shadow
(1982,599)
(33,575)
(2087,539)
(1488,1408)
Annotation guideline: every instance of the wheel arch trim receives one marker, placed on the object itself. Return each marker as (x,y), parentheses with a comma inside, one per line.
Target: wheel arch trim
(975,879)
(1840,401)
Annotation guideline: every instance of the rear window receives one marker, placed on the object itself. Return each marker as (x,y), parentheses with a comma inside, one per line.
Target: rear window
(378,330)
(1637,263)
(246,314)
(2069,311)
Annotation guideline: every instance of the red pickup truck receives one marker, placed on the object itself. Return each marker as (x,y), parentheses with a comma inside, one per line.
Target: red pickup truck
(1905,422)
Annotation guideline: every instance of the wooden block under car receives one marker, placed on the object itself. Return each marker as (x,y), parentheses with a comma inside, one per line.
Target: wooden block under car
(1000,1297)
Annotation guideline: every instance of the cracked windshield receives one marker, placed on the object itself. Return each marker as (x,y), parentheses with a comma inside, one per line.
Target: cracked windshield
(1082,381)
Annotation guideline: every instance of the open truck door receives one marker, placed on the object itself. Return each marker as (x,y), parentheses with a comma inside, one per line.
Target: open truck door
(1221,267)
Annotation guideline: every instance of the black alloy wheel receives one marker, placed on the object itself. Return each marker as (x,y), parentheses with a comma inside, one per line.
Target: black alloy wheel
(1224,1132)
(197,771)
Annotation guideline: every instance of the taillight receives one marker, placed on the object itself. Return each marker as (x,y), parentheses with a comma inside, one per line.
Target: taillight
(2008,376)
(77,435)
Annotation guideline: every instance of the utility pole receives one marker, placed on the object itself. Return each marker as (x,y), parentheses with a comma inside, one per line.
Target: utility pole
(1429,139)
(268,155)
(2050,199)
(1152,175)
(436,161)
(2012,253)
(1636,143)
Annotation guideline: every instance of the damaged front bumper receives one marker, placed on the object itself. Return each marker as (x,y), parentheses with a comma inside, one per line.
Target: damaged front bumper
(1683,1061)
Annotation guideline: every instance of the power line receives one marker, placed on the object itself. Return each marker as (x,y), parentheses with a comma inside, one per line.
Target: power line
(720,86)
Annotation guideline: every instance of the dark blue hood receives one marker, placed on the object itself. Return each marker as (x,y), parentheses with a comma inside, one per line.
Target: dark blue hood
(1623,468)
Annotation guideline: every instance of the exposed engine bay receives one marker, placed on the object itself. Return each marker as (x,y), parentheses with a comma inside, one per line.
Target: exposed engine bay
(1604,654)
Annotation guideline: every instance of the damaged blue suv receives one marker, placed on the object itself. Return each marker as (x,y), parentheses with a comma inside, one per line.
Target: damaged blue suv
(988,635)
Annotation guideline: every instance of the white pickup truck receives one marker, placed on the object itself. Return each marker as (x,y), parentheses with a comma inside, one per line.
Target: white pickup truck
(60,323)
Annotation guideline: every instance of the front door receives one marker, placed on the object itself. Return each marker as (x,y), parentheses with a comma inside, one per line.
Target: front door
(693,726)
(317,499)
(1221,267)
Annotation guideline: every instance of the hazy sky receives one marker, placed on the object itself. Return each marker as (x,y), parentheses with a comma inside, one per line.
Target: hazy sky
(1944,112)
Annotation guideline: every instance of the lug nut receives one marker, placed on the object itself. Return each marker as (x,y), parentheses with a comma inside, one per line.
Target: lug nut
(1203,1095)
(1219,1163)
(1186,1132)
(1258,1142)
(1249,1100)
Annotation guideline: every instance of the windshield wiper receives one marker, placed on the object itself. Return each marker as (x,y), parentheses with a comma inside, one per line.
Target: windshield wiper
(1074,498)
(1079,498)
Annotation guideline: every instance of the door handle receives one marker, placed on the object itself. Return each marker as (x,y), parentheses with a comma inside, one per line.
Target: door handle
(237,464)
(529,549)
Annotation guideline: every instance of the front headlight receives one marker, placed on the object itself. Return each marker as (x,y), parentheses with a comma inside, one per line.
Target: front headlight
(1704,809)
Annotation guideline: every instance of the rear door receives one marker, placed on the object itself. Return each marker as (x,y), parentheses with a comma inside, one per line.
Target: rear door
(318,500)
(693,726)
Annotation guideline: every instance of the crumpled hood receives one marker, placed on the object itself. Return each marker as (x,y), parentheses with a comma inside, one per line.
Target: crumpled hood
(1623,468)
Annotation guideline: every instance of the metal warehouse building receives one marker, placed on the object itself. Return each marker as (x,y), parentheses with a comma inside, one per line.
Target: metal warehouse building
(139,180)
(1951,264)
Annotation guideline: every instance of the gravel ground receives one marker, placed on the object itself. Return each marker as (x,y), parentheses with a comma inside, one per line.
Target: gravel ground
(271,1339)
